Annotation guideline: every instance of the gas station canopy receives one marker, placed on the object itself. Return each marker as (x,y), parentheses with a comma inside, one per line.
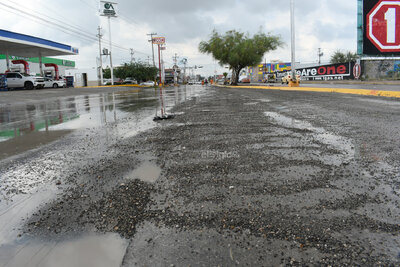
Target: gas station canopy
(22,45)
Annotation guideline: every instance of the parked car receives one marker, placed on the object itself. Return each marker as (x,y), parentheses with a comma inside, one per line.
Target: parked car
(48,83)
(244,80)
(22,80)
(130,81)
(148,83)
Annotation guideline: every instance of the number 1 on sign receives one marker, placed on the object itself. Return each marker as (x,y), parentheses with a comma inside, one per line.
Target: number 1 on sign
(390,17)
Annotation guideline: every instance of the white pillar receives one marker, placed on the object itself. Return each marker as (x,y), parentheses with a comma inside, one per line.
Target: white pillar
(40,64)
(293,46)
(8,61)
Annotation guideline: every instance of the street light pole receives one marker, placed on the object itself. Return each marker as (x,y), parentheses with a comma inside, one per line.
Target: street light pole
(293,46)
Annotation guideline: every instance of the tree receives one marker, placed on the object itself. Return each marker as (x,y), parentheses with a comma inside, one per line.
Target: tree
(340,57)
(238,50)
(107,73)
(138,70)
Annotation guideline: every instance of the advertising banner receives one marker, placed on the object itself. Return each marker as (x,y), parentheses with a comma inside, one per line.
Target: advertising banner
(341,71)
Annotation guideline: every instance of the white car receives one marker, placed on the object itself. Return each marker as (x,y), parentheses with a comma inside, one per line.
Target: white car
(22,80)
(48,83)
(148,83)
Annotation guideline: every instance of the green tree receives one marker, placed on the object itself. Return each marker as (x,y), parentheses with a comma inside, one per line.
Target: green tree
(107,73)
(138,70)
(225,75)
(341,57)
(238,50)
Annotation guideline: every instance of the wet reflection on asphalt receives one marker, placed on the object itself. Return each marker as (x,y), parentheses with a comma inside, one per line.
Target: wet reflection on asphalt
(27,126)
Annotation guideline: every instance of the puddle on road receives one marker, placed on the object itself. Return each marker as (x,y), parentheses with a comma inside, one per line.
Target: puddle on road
(146,172)
(21,144)
(31,125)
(339,144)
(92,250)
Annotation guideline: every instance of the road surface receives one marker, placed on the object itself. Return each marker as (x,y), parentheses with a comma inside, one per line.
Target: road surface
(239,177)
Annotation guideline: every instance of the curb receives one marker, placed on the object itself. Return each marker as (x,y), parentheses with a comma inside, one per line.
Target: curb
(366,92)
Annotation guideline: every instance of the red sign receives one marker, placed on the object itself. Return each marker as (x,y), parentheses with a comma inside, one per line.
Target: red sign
(357,71)
(383,25)
(159,40)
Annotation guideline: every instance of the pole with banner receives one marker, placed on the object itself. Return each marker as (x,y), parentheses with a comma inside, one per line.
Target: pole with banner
(109,11)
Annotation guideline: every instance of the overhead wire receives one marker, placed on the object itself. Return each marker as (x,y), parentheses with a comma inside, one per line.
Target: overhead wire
(69,28)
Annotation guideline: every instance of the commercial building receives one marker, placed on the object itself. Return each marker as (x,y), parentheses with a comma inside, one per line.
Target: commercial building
(34,68)
(29,54)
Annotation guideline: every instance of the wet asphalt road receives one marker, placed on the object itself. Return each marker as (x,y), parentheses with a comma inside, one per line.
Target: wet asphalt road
(240,177)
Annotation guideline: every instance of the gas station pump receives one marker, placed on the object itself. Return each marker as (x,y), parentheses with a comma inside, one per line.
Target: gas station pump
(23,62)
(56,70)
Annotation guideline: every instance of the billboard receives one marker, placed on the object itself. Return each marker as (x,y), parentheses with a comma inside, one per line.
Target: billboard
(108,9)
(380,27)
(340,71)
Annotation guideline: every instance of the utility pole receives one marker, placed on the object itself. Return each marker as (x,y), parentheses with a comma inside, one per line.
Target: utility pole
(184,69)
(132,53)
(175,58)
(111,64)
(152,46)
(320,54)
(101,55)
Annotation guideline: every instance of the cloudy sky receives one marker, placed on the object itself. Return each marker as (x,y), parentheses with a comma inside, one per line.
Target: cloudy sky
(325,24)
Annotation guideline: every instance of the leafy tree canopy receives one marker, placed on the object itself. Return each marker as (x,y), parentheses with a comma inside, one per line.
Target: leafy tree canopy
(107,73)
(341,57)
(238,50)
(137,70)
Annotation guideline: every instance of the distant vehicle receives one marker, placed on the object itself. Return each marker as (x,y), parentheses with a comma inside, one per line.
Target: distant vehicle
(244,80)
(106,81)
(286,79)
(130,81)
(22,80)
(53,83)
(221,81)
(148,83)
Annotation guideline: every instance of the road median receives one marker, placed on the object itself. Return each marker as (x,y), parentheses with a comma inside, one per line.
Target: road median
(367,92)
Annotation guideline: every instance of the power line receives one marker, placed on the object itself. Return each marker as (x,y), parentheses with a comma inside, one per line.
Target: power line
(88,37)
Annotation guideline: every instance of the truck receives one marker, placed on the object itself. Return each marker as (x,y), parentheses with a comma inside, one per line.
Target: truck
(23,80)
